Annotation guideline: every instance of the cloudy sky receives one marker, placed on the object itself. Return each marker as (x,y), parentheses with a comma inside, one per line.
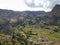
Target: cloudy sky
(32,5)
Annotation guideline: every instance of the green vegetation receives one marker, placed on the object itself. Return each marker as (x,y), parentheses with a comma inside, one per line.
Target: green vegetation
(25,32)
(30,28)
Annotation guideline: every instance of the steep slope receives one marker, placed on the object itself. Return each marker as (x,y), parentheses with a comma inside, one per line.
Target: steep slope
(56,10)
(53,17)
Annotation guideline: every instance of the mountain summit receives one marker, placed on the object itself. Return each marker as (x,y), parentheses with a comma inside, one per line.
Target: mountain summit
(56,10)
(53,17)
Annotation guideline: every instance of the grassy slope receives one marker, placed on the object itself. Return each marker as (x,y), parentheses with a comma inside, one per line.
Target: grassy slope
(42,32)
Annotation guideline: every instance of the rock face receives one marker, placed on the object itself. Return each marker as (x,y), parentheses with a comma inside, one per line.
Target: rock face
(53,17)
(56,10)
(56,14)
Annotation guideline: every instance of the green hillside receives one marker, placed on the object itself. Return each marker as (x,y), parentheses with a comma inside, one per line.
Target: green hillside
(30,28)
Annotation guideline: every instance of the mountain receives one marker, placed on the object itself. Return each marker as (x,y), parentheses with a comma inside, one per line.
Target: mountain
(9,15)
(30,27)
(56,10)
(53,17)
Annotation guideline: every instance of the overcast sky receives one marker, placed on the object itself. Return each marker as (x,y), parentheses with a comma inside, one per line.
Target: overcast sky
(32,5)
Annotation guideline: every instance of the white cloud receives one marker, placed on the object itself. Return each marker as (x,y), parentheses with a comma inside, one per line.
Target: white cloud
(13,4)
(19,5)
(37,2)
(40,5)
(29,1)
